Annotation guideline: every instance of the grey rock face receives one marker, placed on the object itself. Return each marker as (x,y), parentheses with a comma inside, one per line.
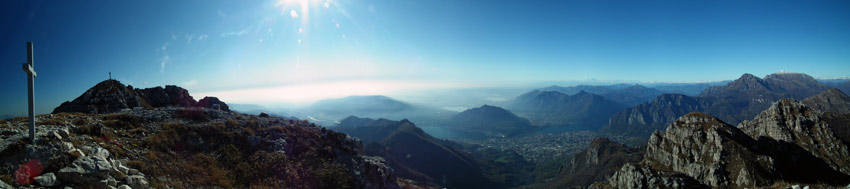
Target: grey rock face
(635,176)
(708,150)
(788,142)
(378,174)
(792,122)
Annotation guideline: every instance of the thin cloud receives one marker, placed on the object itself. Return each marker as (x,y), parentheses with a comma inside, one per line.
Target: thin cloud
(234,33)
(203,36)
(162,63)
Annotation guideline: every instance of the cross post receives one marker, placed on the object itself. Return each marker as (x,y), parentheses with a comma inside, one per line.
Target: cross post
(28,67)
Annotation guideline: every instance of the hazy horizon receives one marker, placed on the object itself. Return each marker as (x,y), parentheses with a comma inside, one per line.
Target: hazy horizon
(300,51)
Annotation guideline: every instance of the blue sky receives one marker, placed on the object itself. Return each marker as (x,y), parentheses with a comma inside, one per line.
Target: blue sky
(301,50)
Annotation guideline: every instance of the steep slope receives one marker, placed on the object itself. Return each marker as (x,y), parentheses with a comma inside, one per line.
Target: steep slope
(645,118)
(793,122)
(596,163)
(491,120)
(583,111)
(788,143)
(111,96)
(831,100)
(414,154)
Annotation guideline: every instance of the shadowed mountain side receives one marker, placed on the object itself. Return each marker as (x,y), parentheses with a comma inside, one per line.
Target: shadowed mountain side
(596,163)
(646,118)
(490,120)
(582,111)
(831,100)
(414,154)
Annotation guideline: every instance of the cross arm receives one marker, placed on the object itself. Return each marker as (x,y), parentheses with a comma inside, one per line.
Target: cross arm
(29,70)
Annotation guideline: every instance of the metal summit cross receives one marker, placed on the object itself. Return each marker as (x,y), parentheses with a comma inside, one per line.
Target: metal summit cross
(28,67)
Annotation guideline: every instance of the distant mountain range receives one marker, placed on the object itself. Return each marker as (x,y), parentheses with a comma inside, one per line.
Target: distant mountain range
(582,111)
(414,154)
(628,95)
(491,120)
(328,112)
(734,102)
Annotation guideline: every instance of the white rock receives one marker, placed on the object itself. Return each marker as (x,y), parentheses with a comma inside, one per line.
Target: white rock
(124,186)
(100,152)
(137,181)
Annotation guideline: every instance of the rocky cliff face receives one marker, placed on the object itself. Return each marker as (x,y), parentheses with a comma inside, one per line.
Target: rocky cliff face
(789,121)
(645,118)
(788,143)
(111,96)
(596,163)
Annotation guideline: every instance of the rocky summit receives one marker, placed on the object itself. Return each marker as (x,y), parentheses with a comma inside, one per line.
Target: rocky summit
(111,96)
(176,144)
(789,143)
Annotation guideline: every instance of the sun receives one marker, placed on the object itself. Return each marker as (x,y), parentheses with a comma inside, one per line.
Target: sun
(300,8)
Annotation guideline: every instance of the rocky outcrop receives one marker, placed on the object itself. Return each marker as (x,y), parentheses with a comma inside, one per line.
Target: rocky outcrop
(787,143)
(831,100)
(212,103)
(637,176)
(596,163)
(789,121)
(709,150)
(111,96)
(105,97)
(171,95)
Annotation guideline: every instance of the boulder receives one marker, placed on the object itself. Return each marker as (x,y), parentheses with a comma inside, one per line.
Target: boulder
(137,181)
(87,170)
(48,179)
